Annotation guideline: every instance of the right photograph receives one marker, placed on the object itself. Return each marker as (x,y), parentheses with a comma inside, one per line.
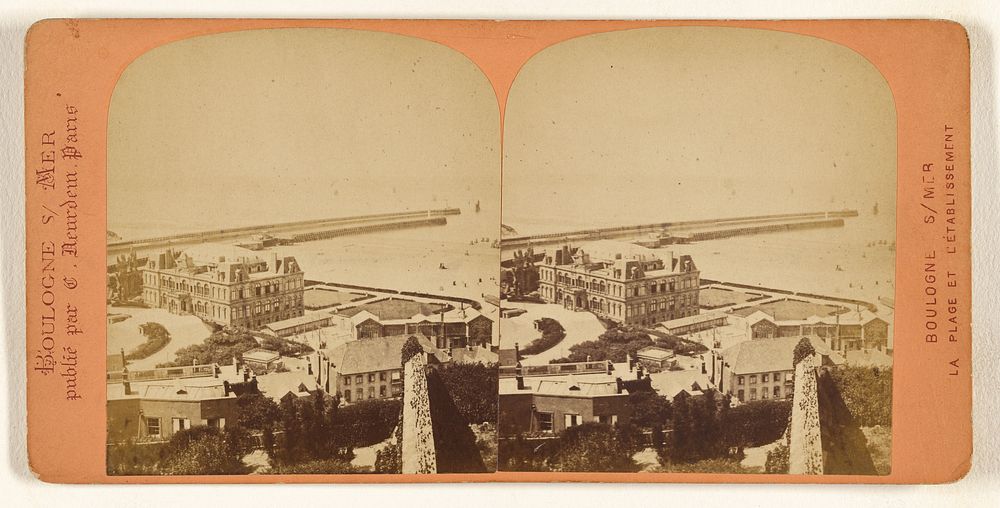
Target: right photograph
(697,256)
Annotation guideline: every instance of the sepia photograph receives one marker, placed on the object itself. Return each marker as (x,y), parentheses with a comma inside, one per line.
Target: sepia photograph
(302,238)
(698,256)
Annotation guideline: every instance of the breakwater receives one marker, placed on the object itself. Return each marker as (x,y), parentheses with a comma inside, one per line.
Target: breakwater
(328,224)
(666,229)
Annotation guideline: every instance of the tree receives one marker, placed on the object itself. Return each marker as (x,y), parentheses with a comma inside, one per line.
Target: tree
(755,423)
(292,431)
(680,438)
(649,409)
(474,389)
(259,413)
(200,451)
(595,447)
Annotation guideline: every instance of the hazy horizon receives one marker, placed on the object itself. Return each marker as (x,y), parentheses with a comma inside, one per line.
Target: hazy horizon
(278,125)
(683,123)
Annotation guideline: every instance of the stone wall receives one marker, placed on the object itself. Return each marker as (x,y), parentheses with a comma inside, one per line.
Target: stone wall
(418,454)
(805,447)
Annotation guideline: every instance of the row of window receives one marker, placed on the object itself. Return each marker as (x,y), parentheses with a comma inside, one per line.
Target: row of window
(764,378)
(154,428)
(358,394)
(225,293)
(382,377)
(546,420)
(765,394)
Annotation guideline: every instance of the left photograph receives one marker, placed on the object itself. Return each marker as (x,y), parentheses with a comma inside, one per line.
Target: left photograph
(302,235)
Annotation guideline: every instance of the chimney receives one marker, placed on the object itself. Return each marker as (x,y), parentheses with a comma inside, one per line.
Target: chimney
(517,354)
(638,372)
(217,370)
(618,384)
(274,262)
(631,362)
(520,380)
(228,389)
(610,367)
(125,382)
(246,374)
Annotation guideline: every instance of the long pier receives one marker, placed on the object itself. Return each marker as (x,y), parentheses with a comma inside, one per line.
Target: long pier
(708,225)
(332,226)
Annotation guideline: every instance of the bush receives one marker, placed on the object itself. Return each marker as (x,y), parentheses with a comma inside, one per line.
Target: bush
(649,409)
(777,460)
(202,451)
(552,334)
(473,388)
(222,346)
(756,423)
(133,459)
(615,345)
(367,422)
(867,392)
(595,447)
(157,338)
(285,347)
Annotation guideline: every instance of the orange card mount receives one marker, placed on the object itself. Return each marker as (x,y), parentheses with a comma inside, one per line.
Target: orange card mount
(381,251)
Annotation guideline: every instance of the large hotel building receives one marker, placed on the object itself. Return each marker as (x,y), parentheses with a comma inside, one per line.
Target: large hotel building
(227,285)
(622,282)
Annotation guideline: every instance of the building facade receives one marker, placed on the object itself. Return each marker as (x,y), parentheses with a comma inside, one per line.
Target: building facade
(371,368)
(547,400)
(764,368)
(231,287)
(848,331)
(621,282)
(456,328)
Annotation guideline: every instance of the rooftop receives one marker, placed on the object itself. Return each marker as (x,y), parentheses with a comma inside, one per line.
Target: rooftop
(377,354)
(772,355)
(394,308)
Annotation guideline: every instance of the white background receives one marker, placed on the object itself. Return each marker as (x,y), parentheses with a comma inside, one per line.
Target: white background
(980,488)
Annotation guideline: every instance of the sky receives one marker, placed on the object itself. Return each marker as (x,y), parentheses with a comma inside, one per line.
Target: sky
(662,124)
(279,125)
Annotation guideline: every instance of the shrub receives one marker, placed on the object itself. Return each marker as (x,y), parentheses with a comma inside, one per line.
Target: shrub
(473,388)
(777,460)
(157,338)
(222,346)
(367,422)
(201,451)
(615,345)
(132,459)
(756,423)
(595,447)
(552,334)
(285,347)
(867,392)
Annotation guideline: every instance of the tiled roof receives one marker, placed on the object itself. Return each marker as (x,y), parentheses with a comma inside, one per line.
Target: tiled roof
(474,355)
(771,355)
(377,354)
